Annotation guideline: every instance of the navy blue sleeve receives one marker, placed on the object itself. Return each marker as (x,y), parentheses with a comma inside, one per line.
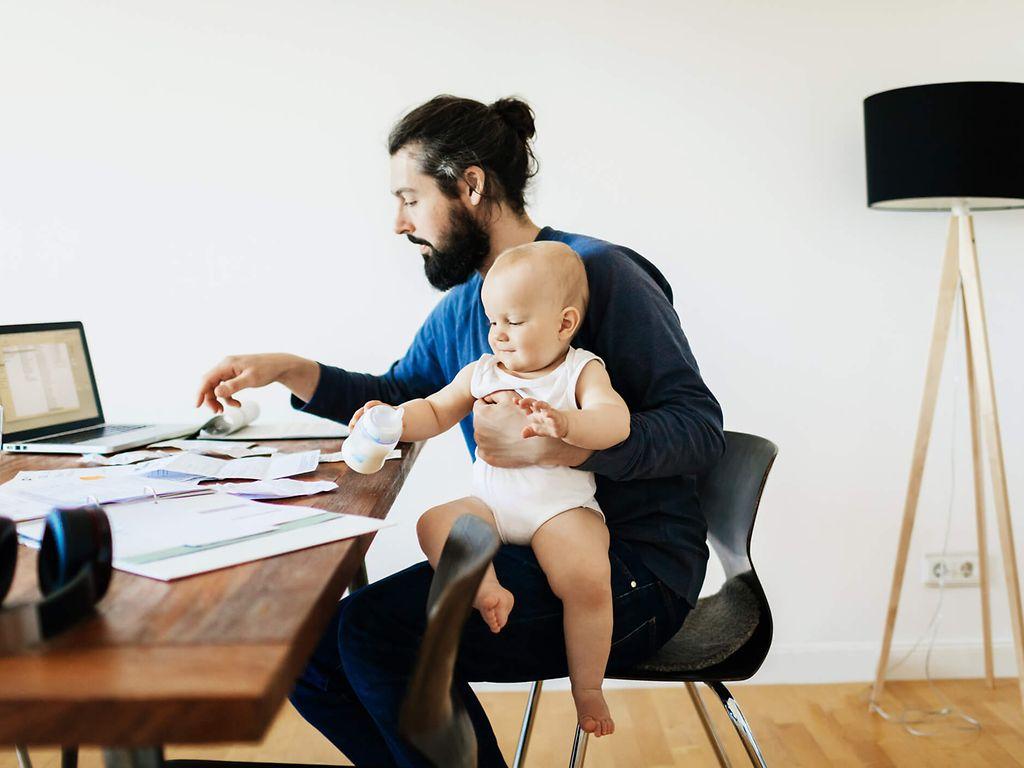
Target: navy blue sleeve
(675,421)
(341,393)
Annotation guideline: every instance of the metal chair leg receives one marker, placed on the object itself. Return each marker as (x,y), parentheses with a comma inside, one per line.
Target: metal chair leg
(528,718)
(732,707)
(709,727)
(24,761)
(579,748)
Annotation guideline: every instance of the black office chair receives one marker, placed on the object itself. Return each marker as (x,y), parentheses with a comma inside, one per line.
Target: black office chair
(432,719)
(728,634)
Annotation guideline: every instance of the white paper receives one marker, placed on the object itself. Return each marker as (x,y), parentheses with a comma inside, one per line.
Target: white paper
(148,527)
(331,458)
(218,448)
(305,429)
(278,489)
(334,529)
(19,508)
(143,528)
(251,468)
(122,459)
(77,491)
(37,475)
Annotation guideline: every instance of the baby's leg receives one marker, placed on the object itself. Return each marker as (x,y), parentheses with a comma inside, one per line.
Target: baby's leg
(572,548)
(492,600)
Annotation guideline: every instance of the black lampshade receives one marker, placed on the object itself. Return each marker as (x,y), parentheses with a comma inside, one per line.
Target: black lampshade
(930,146)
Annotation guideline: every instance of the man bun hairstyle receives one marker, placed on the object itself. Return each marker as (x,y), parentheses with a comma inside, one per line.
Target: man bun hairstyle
(448,134)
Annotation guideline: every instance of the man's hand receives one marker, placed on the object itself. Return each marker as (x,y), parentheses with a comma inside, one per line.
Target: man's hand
(501,396)
(238,372)
(543,420)
(498,430)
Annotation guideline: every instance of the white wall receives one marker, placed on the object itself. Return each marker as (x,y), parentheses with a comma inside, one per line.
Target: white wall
(193,179)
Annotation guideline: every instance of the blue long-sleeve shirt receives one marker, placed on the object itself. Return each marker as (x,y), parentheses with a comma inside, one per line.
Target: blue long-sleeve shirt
(646,485)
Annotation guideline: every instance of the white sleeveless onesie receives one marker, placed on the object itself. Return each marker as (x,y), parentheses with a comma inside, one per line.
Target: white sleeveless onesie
(524,498)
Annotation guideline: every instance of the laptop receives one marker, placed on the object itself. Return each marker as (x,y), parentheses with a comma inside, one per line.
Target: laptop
(50,400)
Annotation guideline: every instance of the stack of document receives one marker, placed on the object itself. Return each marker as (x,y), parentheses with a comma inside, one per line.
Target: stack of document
(216,448)
(166,526)
(172,537)
(33,494)
(191,466)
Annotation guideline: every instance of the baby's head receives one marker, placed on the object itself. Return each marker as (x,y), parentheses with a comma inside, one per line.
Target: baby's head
(535,296)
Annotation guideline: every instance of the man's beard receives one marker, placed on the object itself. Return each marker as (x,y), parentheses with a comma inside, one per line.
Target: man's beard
(464,250)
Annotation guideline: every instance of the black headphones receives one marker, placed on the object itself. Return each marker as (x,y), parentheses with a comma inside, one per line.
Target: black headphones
(74,573)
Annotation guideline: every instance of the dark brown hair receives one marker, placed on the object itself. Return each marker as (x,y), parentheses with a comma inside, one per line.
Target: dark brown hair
(448,134)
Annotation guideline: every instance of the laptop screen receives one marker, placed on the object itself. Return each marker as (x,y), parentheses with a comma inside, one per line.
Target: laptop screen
(46,381)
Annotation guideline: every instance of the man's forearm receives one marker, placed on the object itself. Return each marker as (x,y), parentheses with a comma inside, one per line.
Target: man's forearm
(301,376)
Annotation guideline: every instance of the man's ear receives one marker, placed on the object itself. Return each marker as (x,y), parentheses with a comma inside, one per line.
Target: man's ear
(570,323)
(475,179)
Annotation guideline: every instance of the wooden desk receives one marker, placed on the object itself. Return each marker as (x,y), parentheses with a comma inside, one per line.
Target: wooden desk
(204,659)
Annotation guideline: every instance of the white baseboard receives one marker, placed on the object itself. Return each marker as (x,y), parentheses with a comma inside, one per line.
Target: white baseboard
(843,663)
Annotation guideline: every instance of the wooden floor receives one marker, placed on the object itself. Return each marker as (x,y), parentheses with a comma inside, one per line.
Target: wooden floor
(798,725)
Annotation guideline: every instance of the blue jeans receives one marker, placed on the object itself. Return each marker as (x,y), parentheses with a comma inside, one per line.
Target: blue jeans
(353,685)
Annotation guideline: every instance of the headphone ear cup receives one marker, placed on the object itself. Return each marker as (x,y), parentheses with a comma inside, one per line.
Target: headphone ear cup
(75,539)
(8,555)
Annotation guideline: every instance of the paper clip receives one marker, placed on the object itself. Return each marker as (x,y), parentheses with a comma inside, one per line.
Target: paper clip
(152,493)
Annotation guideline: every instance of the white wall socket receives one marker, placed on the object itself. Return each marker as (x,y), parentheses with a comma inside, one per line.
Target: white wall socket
(958,569)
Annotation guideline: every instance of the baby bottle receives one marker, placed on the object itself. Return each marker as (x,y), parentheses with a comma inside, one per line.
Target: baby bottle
(374,436)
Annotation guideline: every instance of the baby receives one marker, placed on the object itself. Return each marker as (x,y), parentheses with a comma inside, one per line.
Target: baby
(535,296)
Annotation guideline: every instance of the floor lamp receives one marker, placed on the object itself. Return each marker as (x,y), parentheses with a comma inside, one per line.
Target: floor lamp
(955,147)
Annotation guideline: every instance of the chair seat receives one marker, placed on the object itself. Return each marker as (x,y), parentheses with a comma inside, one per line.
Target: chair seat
(714,630)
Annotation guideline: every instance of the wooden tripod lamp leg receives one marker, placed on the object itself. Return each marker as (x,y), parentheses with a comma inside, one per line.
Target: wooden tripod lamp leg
(990,426)
(940,335)
(979,499)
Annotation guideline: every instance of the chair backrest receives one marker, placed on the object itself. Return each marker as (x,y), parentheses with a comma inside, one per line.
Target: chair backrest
(730,494)
(432,718)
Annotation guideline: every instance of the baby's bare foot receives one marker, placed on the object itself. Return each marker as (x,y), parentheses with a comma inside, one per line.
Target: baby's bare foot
(592,711)
(494,603)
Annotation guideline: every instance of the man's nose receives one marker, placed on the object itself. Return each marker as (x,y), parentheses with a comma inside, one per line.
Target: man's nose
(402,225)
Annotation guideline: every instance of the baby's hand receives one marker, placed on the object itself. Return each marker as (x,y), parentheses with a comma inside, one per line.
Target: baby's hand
(358,414)
(542,420)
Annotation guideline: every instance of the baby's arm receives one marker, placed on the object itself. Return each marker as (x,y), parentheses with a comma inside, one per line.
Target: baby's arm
(430,416)
(601,422)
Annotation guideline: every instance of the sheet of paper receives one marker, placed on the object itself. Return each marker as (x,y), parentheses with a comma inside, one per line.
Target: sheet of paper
(252,468)
(143,528)
(122,459)
(77,491)
(218,448)
(31,476)
(305,429)
(277,489)
(331,458)
(150,538)
(19,508)
(332,527)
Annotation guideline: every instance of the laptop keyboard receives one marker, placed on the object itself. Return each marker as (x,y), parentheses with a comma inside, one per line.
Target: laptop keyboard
(89,435)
